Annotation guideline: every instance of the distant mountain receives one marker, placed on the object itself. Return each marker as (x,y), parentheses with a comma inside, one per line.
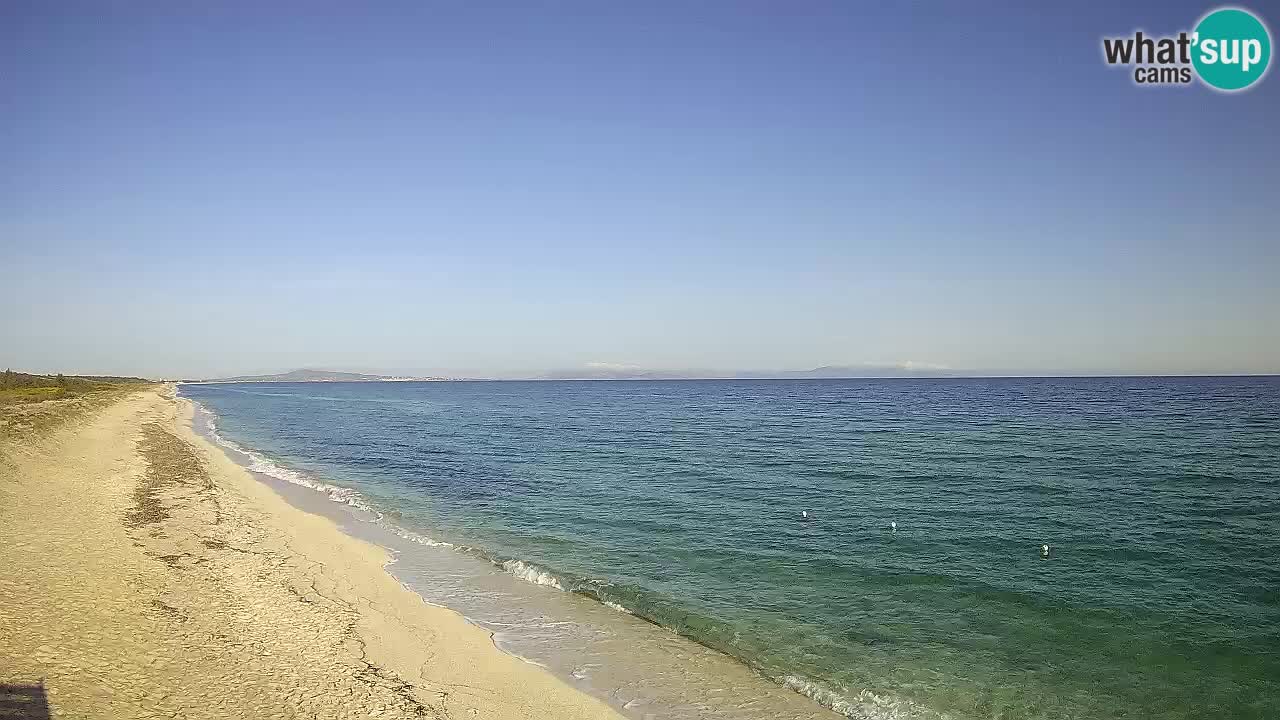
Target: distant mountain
(603,371)
(612,373)
(306,375)
(867,371)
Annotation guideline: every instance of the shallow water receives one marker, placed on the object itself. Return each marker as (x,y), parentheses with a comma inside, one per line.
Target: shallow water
(679,502)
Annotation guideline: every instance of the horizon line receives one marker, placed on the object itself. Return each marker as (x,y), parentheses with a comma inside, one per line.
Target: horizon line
(740,379)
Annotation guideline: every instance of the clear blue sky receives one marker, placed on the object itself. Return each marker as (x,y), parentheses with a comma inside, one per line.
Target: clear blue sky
(188,189)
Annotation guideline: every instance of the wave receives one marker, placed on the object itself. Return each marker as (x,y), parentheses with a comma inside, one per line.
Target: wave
(417,537)
(260,463)
(636,602)
(616,606)
(531,573)
(863,705)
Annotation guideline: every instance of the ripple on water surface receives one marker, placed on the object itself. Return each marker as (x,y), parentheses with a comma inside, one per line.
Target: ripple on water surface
(541,509)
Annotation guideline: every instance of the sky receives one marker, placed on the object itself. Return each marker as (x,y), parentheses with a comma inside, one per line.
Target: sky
(200,189)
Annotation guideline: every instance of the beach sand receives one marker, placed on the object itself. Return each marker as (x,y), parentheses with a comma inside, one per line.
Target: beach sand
(143,574)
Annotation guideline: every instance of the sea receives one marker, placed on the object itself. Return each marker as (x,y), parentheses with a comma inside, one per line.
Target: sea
(973,547)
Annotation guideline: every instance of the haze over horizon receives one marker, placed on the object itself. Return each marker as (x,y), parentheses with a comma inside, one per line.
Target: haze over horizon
(226,190)
(616,371)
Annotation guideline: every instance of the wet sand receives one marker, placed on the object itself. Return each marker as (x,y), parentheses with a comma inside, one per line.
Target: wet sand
(143,574)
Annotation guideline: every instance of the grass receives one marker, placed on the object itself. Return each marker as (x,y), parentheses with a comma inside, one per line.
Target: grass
(9,396)
(18,388)
(33,404)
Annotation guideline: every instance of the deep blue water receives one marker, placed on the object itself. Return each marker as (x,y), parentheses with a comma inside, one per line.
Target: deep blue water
(1159,499)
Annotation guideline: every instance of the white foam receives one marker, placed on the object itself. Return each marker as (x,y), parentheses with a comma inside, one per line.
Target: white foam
(616,606)
(865,705)
(418,538)
(531,573)
(260,463)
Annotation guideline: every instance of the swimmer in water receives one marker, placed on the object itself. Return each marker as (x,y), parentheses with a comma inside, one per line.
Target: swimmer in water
(894,526)
(1044,551)
(804,514)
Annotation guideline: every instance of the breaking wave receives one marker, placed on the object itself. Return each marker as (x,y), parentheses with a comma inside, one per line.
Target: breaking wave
(259,463)
(531,573)
(862,705)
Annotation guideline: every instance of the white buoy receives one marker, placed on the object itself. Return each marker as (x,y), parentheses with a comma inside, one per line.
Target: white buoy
(1044,551)
(894,525)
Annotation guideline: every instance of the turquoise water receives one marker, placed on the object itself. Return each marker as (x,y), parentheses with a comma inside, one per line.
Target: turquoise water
(681,502)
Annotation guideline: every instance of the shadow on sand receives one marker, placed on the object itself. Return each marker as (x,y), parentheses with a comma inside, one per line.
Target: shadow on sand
(23,702)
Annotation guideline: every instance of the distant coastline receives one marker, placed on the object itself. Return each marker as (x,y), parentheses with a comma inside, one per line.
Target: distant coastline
(638,374)
(307,375)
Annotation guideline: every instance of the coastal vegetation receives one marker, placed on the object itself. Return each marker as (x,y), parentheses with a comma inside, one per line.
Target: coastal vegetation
(19,387)
(35,403)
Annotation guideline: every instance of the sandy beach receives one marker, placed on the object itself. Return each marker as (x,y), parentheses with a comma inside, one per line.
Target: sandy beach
(143,574)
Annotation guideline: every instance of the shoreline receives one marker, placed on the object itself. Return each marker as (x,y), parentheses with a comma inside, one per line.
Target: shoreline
(681,679)
(145,574)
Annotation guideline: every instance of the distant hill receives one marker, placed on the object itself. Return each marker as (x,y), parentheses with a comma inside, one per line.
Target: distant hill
(306,375)
(609,373)
(628,372)
(868,371)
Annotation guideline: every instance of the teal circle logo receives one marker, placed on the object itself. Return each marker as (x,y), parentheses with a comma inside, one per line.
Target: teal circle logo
(1232,49)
